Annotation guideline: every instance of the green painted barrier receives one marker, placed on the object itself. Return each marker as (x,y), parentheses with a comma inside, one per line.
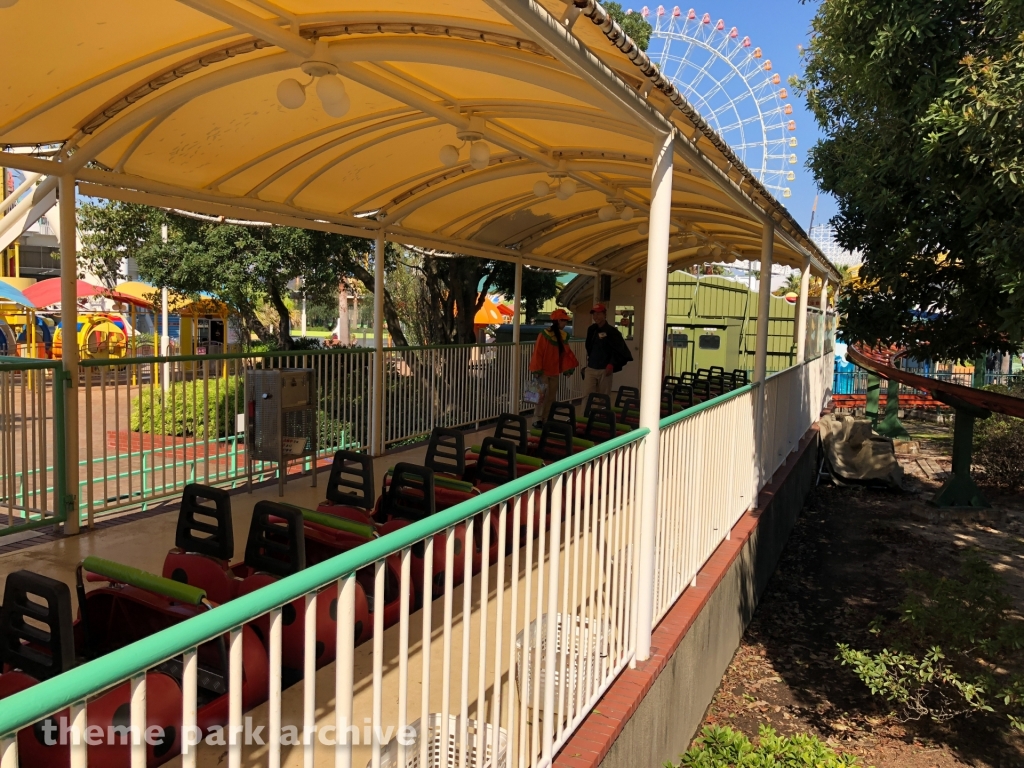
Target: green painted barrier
(79,683)
(136,577)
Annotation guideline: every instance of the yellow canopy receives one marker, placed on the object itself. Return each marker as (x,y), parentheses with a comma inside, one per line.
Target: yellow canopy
(176,103)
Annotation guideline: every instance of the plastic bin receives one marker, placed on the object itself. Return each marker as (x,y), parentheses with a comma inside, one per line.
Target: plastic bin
(584,649)
(475,741)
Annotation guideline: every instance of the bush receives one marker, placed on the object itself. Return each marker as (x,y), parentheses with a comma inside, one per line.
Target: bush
(726,748)
(180,413)
(949,653)
(999,444)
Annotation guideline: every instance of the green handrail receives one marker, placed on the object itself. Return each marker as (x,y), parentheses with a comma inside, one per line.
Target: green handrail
(78,684)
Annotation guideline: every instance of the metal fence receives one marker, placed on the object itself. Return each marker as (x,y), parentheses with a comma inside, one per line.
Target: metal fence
(32,492)
(505,657)
(510,658)
(152,425)
(713,482)
(427,387)
(855,382)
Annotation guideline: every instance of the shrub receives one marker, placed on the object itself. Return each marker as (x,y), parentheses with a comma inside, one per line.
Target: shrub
(999,444)
(949,653)
(180,413)
(726,748)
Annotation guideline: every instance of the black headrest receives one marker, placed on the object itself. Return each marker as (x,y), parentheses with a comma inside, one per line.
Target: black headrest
(739,376)
(213,521)
(40,652)
(563,412)
(411,493)
(630,411)
(512,426)
(683,394)
(701,387)
(276,546)
(703,373)
(717,370)
(555,441)
(351,480)
(625,394)
(446,451)
(597,400)
(497,468)
(600,425)
(687,378)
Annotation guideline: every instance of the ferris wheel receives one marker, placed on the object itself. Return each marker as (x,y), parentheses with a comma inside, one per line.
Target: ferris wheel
(733,86)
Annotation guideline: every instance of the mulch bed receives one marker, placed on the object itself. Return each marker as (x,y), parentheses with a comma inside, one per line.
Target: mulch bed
(841,569)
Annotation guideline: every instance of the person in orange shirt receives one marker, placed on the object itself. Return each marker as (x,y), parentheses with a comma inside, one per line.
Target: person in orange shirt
(552,357)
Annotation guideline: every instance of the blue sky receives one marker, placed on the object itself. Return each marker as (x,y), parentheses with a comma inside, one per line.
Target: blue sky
(778,27)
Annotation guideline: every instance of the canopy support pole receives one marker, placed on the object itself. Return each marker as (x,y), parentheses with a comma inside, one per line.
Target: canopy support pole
(517,352)
(596,298)
(764,297)
(69,350)
(823,306)
(801,313)
(377,416)
(651,367)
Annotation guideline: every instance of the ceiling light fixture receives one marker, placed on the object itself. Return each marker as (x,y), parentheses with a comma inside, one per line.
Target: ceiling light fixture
(329,87)
(479,151)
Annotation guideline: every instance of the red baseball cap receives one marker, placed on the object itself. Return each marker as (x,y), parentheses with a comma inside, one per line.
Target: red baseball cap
(559,314)
(599,308)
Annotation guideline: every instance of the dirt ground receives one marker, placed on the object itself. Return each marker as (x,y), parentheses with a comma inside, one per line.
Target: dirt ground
(841,569)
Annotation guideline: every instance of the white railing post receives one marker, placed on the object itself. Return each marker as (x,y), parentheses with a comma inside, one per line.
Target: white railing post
(801,312)
(517,358)
(764,297)
(69,348)
(377,416)
(650,383)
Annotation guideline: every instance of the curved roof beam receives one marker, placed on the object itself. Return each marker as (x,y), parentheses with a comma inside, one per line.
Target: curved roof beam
(569,115)
(112,74)
(171,98)
(408,124)
(143,135)
(291,144)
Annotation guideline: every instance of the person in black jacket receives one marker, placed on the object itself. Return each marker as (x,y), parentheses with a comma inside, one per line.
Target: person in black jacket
(607,353)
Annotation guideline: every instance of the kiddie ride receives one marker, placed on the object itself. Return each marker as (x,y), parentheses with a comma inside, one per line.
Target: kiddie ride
(40,640)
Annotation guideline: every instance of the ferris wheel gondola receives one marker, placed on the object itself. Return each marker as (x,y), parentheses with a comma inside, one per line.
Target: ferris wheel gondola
(734,87)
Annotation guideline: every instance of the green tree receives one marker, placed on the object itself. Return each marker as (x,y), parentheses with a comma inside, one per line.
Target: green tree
(921,110)
(633,24)
(112,232)
(539,285)
(244,265)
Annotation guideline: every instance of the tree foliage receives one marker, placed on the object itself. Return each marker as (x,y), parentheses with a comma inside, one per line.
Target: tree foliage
(633,24)
(244,265)
(539,285)
(920,104)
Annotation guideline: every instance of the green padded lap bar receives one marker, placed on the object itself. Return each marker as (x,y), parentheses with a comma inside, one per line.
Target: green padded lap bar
(337,523)
(135,577)
(440,481)
(578,442)
(532,461)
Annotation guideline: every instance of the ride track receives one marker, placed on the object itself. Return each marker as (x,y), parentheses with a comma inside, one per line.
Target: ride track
(881,363)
